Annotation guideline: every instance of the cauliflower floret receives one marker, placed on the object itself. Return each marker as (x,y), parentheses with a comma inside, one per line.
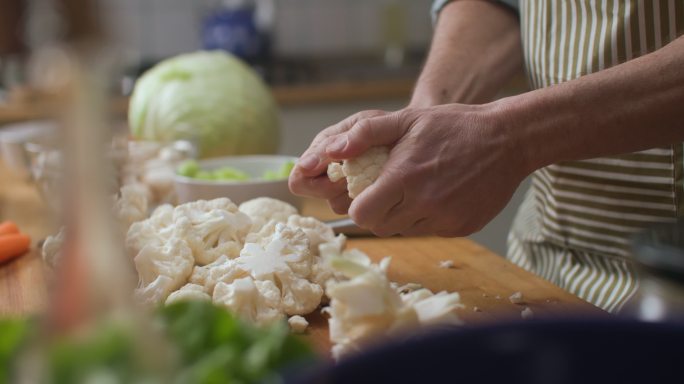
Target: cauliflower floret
(153,166)
(52,249)
(285,247)
(434,308)
(156,230)
(222,270)
(132,205)
(189,292)
(255,301)
(173,260)
(367,306)
(155,292)
(266,231)
(297,324)
(360,172)
(335,172)
(284,260)
(212,228)
(317,232)
(264,209)
(299,296)
(516,298)
(527,313)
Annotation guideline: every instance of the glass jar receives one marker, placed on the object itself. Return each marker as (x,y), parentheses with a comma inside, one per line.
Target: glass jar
(659,256)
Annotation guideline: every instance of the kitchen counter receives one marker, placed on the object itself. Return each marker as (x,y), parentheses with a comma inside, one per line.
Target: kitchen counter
(484,279)
(337,91)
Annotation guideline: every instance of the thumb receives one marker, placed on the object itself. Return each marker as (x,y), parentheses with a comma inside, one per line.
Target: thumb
(366,133)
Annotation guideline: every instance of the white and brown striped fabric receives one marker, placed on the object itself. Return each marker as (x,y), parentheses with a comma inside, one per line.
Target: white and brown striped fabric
(575,223)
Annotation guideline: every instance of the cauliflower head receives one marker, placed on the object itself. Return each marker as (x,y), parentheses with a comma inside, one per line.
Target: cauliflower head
(361,171)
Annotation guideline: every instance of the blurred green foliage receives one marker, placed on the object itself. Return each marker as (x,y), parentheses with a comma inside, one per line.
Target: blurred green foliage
(210,346)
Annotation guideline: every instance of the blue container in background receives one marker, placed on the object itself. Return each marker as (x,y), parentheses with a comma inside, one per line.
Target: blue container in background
(234,28)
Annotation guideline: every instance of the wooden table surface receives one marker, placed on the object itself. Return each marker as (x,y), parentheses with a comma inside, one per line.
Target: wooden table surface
(484,279)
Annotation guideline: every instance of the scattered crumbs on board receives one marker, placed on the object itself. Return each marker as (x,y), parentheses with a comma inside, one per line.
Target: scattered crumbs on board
(516,298)
(527,313)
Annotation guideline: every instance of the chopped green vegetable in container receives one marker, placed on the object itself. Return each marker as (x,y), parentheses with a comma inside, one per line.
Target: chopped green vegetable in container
(192,169)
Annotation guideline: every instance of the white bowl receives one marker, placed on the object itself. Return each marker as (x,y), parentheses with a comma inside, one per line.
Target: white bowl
(189,189)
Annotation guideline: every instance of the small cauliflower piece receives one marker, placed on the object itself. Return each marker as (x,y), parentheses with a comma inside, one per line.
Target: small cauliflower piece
(200,274)
(360,172)
(52,249)
(254,301)
(188,292)
(155,230)
(516,298)
(297,324)
(368,306)
(527,313)
(435,309)
(264,209)
(173,260)
(446,264)
(155,292)
(131,206)
(335,172)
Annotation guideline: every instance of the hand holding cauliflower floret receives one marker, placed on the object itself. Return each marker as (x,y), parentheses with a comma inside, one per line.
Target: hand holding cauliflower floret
(361,171)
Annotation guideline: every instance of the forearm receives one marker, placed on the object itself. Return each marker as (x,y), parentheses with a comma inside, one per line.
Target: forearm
(476,48)
(631,107)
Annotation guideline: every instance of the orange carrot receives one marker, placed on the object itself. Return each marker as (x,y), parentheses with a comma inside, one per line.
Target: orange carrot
(8,228)
(13,245)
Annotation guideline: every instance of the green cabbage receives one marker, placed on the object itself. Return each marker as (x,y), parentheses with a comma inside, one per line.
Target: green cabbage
(210,98)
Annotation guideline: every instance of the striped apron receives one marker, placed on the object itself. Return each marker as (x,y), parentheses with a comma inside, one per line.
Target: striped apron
(576,221)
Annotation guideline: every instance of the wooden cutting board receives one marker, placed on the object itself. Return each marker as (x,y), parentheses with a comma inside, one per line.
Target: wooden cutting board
(483,279)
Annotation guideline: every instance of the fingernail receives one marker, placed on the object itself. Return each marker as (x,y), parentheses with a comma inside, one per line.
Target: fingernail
(338,144)
(309,161)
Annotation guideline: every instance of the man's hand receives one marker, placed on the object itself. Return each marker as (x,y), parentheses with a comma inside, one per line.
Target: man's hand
(309,177)
(451,169)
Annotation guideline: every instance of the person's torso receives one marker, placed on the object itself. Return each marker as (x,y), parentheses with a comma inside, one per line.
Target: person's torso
(597,204)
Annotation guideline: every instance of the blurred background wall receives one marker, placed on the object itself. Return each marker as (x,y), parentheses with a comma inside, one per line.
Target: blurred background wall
(154,29)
